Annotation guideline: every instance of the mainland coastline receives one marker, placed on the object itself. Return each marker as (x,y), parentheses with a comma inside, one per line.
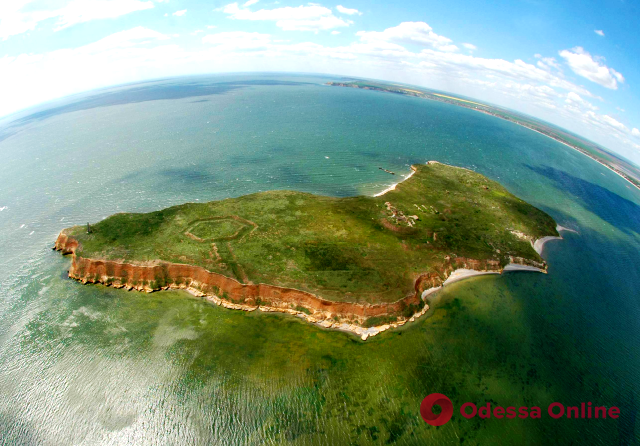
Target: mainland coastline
(491,111)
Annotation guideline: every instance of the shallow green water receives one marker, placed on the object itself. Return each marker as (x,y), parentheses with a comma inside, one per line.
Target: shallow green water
(93,365)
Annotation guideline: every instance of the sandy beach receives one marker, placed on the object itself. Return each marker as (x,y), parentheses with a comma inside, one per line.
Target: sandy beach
(462,273)
(538,245)
(516,267)
(393,186)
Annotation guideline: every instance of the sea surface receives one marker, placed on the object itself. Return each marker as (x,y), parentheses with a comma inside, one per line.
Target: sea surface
(89,365)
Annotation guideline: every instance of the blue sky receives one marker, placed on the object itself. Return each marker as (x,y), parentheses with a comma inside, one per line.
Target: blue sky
(572,63)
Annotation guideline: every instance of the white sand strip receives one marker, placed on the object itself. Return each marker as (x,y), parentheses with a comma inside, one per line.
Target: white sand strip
(425,293)
(538,245)
(393,186)
(518,267)
(463,273)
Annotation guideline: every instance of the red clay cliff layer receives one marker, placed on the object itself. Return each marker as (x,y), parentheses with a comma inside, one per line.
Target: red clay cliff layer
(165,275)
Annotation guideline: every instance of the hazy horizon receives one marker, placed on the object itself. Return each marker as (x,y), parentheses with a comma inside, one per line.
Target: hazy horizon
(567,64)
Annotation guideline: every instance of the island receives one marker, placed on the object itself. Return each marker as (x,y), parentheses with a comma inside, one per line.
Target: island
(619,165)
(361,264)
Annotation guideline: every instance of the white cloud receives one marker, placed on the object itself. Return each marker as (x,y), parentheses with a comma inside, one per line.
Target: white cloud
(335,33)
(574,100)
(580,111)
(301,18)
(606,121)
(470,46)
(124,39)
(197,31)
(347,11)
(547,63)
(79,11)
(132,54)
(19,16)
(180,13)
(538,95)
(13,20)
(520,71)
(238,40)
(416,33)
(323,23)
(599,32)
(250,2)
(583,64)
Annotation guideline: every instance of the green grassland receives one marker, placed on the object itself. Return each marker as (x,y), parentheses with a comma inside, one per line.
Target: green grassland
(216,229)
(343,249)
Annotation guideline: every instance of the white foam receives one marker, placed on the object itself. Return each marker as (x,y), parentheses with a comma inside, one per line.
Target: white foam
(562,228)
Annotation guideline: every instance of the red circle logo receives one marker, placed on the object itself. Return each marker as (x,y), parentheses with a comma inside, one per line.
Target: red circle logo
(426,409)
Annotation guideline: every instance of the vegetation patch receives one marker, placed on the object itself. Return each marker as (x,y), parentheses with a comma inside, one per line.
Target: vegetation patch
(218,229)
(303,309)
(376,321)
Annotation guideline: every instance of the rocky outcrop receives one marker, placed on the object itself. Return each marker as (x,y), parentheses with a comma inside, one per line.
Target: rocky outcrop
(66,244)
(228,292)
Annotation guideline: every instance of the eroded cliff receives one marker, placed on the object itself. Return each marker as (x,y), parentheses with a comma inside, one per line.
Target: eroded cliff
(228,292)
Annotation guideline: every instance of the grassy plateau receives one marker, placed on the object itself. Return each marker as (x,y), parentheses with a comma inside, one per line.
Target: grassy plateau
(357,249)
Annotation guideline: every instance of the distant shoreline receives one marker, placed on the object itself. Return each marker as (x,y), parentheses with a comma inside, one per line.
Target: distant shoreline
(586,154)
(457,102)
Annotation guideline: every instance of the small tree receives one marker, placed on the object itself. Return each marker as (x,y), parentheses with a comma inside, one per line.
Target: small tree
(88,228)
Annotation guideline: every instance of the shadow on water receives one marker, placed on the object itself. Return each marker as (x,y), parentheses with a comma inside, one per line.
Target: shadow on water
(140,93)
(177,177)
(612,208)
(187,175)
(292,173)
(16,433)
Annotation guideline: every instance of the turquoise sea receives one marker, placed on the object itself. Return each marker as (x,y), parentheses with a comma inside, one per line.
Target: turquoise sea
(89,365)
